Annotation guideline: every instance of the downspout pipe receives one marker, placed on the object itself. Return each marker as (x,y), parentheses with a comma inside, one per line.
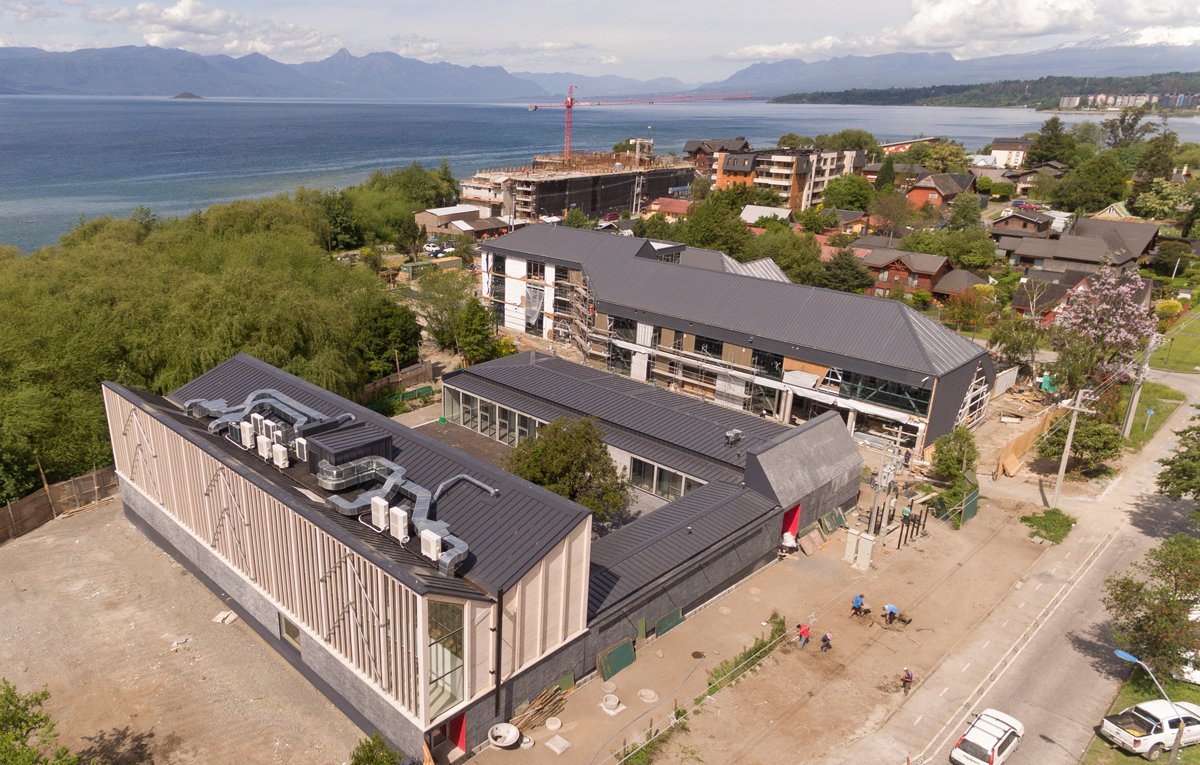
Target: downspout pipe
(498,663)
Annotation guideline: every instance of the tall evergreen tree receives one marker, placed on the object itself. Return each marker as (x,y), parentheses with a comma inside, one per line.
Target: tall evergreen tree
(887,175)
(1053,144)
(845,273)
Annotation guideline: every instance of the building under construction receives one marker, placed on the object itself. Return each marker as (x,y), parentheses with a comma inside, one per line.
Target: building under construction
(597,184)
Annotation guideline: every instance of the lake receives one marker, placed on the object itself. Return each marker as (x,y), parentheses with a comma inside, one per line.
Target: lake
(63,158)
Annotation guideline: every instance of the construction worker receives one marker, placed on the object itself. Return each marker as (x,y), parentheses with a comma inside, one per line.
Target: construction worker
(856,606)
(891,612)
(906,680)
(826,642)
(804,633)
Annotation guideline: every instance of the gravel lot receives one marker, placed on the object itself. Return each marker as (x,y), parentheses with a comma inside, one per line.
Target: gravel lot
(123,638)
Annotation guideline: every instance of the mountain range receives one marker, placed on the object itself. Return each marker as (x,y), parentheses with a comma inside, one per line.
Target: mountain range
(151,71)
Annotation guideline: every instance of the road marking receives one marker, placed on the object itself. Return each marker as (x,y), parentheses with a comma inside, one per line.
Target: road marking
(1002,626)
(1022,642)
(1068,555)
(985,645)
(1035,589)
(964,669)
(918,720)
(943,693)
(1022,604)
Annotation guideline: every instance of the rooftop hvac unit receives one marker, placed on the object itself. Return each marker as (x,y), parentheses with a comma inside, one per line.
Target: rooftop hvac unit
(256,420)
(301,449)
(264,447)
(379,513)
(431,544)
(269,429)
(398,521)
(247,429)
(279,455)
(732,437)
(280,436)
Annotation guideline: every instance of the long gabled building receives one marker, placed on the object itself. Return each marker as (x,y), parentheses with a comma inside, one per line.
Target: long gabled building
(782,350)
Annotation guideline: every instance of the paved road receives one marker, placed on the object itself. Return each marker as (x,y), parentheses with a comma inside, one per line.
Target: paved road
(1045,653)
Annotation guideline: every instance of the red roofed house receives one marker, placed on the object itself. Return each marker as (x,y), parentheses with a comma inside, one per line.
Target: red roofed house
(908,272)
(672,209)
(940,189)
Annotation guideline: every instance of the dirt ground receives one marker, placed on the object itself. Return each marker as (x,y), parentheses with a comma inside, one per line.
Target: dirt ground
(123,638)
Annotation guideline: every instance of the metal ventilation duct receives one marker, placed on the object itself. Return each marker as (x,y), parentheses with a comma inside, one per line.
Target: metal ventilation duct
(263,399)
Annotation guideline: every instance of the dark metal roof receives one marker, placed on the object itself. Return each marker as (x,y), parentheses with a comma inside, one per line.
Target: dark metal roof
(1082,249)
(507,535)
(1136,237)
(793,465)
(956,281)
(869,335)
(917,262)
(673,537)
(677,431)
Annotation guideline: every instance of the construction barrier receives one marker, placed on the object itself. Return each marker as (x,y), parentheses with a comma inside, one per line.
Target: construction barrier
(1011,457)
(28,513)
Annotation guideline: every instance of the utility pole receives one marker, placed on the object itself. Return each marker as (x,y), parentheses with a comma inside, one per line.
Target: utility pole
(1075,408)
(1136,393)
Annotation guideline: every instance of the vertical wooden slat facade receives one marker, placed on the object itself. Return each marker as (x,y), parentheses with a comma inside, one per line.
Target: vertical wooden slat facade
(368,618)
(372,621)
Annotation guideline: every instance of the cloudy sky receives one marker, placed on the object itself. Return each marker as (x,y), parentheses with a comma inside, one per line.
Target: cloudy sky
(694,41)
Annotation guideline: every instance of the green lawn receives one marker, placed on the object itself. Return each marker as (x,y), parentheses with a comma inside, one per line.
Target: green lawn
(1139,688)
(1163,399)
(1180,351)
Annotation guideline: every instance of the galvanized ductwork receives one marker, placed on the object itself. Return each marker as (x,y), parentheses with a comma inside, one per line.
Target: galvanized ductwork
(263,399)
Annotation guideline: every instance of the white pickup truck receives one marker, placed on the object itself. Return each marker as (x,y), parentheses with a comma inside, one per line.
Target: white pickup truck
(1149,728)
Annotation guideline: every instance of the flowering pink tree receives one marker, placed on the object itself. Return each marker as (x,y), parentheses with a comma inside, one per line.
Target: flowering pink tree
(1101,327)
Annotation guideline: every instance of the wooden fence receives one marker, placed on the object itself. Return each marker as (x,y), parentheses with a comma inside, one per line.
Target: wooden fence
(26,514)
(417,374)
(1011,457)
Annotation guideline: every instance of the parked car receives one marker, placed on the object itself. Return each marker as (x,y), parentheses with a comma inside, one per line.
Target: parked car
(1021,204)
(432,247)
(990,739)
(1149,728)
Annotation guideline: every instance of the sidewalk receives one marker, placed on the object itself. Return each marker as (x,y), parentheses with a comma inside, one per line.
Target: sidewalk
(802,698)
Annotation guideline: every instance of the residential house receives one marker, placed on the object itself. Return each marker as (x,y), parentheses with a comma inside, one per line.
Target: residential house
(638,308)
(1041,292)
(1023,223)
(1089,244)
(852,221)
(1010,152)
(906,173)
(1023,180)
(799,176)
(703,153)
(906,272)
(751,214)
(438,220)
(672,209)
(940,189)
(899,147)
(956,282)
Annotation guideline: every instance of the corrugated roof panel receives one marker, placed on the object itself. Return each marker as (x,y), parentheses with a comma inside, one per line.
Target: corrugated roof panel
(506,534)
(853,332)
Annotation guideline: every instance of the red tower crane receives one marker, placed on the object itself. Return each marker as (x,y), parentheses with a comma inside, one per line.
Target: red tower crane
(570,103)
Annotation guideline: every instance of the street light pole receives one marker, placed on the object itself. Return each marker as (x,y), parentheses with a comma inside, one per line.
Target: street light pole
(1126,656)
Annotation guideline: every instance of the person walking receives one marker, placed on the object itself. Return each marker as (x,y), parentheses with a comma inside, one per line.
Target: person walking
(906,680)
(856,606)
(826,642)
(804,633)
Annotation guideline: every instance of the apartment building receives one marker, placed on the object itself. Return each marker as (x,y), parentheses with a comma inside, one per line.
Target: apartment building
(664,313)
(799,176)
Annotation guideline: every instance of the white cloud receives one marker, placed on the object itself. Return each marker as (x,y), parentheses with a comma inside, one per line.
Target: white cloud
(981,27)
(27,10)
(415,46)
(544,54)
(194,26)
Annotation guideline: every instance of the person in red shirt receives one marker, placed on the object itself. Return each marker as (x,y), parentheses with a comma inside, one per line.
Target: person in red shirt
(804,632)
(906,680)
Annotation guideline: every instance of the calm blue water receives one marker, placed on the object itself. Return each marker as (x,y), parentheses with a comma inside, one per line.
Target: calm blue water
(63,158)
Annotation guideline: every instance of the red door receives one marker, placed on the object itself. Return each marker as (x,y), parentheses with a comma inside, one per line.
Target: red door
(791,521)
(456,731)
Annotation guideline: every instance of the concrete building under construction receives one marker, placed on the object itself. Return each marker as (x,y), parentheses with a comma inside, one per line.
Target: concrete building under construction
(597,184)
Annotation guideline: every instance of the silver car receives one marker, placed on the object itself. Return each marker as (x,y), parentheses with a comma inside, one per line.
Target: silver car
(991,739)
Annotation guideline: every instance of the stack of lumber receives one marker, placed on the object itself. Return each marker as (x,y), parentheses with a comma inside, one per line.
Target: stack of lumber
(549,703)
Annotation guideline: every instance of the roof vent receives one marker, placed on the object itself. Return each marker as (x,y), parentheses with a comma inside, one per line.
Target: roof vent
(732,437)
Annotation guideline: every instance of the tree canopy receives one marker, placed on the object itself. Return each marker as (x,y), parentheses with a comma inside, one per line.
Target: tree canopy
(1097,183)
(1053,144)
(848,192)
(27,732)
(1180,474)
(569,458)
(954,453)
(1102,327)
(845,273)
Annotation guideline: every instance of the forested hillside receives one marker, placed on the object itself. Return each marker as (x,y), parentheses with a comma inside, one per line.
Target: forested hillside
(152,303)
(1045,91)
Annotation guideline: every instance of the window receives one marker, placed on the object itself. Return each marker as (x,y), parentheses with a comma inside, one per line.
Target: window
(452,406)
(487,419)
(470,411)
(506,420)
(912,280)
(1007,743)
(668,484)
(690,485)
(620,361)
(498,264)
(445,656)
(624,329)
(883,275)
(537,270)
(289,631)
(933,197)
(768,364)
(709,347)
(641,474)
(526,427)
